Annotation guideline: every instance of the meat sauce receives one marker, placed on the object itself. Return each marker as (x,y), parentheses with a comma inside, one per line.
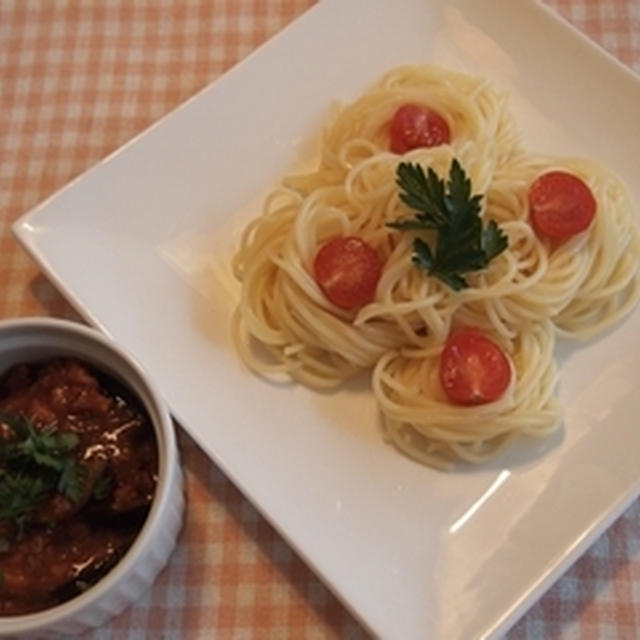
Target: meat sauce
(61,546)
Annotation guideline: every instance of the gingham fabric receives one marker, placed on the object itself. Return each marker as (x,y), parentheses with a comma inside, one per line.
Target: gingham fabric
(78,78)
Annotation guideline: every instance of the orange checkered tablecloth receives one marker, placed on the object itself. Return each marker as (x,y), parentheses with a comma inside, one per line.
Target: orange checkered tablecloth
(78,78)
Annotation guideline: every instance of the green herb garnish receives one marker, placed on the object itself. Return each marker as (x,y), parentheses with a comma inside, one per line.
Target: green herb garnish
(102,488)
(449,209)
(71,483)
(37,463)
(20,494)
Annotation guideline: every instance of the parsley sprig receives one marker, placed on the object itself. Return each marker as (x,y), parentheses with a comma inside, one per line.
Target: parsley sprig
(453,212)
(32,466)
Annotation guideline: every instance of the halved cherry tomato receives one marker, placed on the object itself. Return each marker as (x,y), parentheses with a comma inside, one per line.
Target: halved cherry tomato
(347,269)
(473,368)
(560,204)
(414,126)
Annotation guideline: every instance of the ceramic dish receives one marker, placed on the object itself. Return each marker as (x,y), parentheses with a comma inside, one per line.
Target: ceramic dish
(141,246)
(32,340)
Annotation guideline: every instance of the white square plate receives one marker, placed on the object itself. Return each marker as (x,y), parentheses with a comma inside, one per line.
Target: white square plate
(140,244)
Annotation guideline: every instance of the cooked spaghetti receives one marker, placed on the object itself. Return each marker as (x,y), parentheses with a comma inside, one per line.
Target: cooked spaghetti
(529,289)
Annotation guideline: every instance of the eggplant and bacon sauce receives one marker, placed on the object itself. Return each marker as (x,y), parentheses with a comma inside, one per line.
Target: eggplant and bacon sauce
(78,471)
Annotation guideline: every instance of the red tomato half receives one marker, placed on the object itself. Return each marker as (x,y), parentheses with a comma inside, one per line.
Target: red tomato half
(560,204)
(473,368)
(347,270)
(414,126)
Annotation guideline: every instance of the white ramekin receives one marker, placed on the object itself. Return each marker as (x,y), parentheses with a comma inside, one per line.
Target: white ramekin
(30,339)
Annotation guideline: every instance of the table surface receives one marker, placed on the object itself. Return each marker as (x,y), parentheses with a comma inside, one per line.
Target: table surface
(79,78)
